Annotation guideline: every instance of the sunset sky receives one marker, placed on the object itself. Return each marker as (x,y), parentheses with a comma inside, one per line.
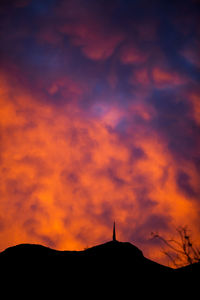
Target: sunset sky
(99,121)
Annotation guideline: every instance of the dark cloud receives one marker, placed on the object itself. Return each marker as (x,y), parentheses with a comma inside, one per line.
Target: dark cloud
(143,198)
(68,176)
(174,123)
(184,184)
(138,153)
(20,190)
(37,164)
(154,223)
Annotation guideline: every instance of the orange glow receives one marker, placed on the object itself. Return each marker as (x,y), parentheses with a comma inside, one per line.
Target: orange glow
(65,177)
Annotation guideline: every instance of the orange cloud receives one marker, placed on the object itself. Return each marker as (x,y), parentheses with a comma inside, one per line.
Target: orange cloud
(163,78)
(66,177)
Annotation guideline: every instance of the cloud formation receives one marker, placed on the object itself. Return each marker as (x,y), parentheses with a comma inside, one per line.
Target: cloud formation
(99,120)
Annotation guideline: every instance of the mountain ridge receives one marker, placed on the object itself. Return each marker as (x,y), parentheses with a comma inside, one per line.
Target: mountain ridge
(116,263)
(106,249)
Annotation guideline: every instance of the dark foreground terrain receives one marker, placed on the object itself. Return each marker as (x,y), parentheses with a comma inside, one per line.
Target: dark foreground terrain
(110,270)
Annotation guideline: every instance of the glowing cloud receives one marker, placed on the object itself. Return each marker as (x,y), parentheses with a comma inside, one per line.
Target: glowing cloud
(99,120)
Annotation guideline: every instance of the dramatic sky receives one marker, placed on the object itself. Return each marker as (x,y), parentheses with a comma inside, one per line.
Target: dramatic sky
(99,120)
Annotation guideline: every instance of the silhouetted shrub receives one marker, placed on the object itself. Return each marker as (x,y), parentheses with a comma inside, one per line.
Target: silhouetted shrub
(181,251)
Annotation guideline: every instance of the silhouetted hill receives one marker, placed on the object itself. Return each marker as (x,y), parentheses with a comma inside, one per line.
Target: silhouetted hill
(112,268)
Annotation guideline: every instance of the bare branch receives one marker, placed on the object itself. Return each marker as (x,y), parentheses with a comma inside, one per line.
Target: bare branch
(183,251)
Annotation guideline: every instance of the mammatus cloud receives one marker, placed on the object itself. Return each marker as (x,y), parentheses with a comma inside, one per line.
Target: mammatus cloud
(99,120)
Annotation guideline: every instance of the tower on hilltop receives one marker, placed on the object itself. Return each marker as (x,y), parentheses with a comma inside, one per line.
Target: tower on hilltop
(114,233)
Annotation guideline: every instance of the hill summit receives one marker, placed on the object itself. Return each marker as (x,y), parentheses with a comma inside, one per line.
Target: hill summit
(113,268)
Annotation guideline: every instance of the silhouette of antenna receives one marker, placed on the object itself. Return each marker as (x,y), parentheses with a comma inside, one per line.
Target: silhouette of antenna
(114,233)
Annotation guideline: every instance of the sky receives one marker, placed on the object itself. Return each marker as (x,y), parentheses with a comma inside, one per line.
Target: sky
(99,121)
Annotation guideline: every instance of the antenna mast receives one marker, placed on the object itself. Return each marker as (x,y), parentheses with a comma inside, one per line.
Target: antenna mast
(114,233)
